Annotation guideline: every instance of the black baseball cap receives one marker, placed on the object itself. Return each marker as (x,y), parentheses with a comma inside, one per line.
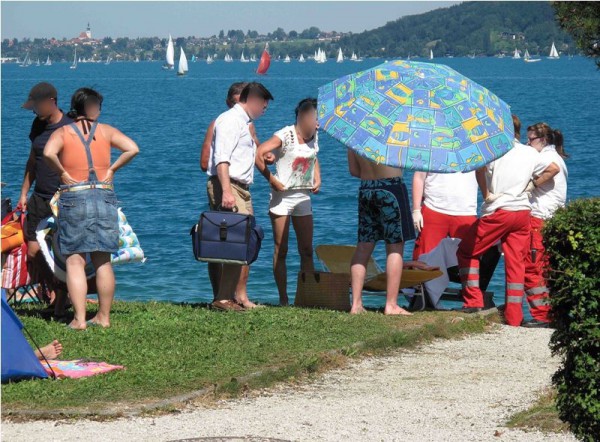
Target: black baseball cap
(39,92)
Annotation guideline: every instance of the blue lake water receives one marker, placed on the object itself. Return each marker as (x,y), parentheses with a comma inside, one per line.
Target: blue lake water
(163,191)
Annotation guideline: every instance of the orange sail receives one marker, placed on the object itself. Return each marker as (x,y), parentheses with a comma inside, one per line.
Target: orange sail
(265,61)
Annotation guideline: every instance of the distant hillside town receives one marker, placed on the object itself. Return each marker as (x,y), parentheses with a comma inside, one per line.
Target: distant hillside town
(495,29)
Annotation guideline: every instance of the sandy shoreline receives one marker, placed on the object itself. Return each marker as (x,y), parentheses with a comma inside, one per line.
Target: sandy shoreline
(449,390)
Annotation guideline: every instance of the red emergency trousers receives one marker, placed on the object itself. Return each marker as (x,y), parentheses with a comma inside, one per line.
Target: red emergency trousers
(536,292)
(437,226)
(513,230)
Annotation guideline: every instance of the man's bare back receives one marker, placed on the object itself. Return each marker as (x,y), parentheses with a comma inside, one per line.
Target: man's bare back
(368,170)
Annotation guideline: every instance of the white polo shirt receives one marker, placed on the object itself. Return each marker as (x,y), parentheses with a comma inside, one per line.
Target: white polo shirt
(233,143)
(508,176)
(451,193)
(551,195)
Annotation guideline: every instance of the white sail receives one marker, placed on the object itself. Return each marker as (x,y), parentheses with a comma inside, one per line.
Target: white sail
(243,59)
(353,57)
(48,62)
(287,59)
(340,56)
(170,53)
(516,55)
(431,54)
(553,52)
(209,59)
(183,63)
(74,65)
(526,56)
(301,59)
(253,58)
(228,58)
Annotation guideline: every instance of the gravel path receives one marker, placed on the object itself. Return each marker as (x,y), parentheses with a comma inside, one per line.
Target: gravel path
(461,390)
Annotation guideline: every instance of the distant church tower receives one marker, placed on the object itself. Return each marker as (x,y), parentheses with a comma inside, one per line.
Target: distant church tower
(88,31)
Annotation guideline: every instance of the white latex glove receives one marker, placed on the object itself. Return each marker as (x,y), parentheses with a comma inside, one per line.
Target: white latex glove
(492,197)
(417,219)
(530,187)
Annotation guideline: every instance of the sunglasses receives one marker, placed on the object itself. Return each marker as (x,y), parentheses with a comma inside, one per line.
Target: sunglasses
(533,139)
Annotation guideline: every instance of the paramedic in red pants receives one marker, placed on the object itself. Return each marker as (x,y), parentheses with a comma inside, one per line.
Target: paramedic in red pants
(505,217)
(444,205)
(545,199)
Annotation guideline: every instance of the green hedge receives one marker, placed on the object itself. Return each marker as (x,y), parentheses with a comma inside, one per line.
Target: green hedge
(572,239)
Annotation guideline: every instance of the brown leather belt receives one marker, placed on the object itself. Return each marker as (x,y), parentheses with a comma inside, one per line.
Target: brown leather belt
(241,185)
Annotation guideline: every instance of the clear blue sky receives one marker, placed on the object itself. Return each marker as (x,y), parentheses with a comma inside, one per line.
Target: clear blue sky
(181,19)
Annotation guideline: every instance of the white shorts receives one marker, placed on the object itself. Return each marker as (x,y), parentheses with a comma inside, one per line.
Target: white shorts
(291,202)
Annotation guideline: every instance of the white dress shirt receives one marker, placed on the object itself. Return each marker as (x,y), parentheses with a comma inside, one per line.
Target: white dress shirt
(232,143)
(548,197)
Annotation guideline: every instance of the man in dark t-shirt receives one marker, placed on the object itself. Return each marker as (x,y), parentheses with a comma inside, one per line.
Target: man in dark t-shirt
(42,100)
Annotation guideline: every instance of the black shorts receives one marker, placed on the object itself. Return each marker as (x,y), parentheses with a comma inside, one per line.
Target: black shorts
(38,208)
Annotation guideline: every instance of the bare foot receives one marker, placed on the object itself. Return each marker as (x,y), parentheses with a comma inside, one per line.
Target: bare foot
(50,351)
(394,310)
(357,310)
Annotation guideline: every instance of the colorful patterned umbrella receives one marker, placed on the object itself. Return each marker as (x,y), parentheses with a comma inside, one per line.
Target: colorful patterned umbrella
(419,116)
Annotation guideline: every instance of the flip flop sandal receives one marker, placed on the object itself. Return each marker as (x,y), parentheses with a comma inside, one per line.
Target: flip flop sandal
(227,306)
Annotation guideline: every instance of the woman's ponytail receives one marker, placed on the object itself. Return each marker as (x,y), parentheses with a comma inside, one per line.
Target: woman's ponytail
(558,140)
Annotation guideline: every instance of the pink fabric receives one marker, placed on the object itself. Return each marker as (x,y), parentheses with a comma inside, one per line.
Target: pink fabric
(78,368)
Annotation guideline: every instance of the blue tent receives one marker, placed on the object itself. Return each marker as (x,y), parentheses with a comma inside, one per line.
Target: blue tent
(18,359)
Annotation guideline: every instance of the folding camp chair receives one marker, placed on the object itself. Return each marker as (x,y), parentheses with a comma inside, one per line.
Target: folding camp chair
(338,258)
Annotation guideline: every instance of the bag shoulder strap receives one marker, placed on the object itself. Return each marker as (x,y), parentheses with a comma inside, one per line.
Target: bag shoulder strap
(86,144)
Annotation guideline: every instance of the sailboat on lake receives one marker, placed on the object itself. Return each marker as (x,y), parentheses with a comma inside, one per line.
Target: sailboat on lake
(48,61)
(228,58)
(431,54)
(26,62)
(340,56)
(183,63)
(287,59)
(74,65)
(527,58)
(516,55)
(265,61)
(553,53)
(301,59)
(209,59)
(243,59)
(170,57)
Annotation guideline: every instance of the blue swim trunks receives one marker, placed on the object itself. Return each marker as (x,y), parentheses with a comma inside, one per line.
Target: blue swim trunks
(384,212)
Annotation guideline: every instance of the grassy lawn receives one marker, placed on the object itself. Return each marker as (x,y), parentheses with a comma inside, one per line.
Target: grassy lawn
(542,416)
(171,349)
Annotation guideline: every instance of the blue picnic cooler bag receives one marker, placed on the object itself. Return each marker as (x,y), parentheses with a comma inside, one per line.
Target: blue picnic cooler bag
(226,238)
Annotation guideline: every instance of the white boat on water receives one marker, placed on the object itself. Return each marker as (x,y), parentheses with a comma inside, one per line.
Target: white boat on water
(340,56)
(209,59)
(320,56)
(170,57)
(243,58)
(527,58)
(301,59)
(287,59)
(183,63)
(553,53)
(74,65)
(253,58)
(517,55)
(108,60)
(228,58)
(26,61)
(38,62)
(431,54)
(48,61)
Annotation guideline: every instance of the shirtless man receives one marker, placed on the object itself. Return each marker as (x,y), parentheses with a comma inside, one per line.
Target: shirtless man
(383,214)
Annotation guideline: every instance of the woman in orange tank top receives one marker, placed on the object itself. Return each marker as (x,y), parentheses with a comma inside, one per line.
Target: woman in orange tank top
(88,219)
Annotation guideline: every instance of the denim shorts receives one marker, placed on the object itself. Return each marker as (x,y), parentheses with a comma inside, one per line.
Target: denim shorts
(88,222)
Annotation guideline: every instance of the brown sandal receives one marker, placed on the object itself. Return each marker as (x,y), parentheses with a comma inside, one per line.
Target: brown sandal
(227,305)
